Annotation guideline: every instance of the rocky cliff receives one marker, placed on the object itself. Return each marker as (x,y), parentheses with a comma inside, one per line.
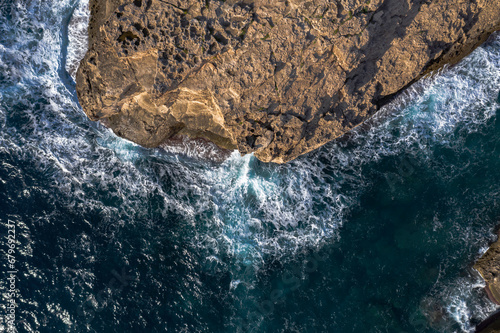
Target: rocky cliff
(278,78)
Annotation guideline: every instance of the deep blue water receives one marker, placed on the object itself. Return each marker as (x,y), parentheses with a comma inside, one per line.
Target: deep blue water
(376,232)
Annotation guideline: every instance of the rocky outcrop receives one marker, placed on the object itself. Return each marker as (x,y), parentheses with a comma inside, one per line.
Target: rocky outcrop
(490,324)
(278,78)
(489,268)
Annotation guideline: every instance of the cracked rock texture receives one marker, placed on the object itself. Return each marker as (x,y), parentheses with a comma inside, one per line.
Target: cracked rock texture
(278,78)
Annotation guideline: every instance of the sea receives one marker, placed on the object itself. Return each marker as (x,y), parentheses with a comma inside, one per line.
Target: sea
(376,231)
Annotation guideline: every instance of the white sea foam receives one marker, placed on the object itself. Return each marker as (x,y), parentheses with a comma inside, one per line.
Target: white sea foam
(460,299)
(195,148)
(77,37)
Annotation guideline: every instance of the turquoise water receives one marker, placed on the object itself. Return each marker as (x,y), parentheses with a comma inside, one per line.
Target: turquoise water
(376,232)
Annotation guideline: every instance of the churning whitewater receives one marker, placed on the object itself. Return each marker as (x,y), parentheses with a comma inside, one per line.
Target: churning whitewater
(375,232)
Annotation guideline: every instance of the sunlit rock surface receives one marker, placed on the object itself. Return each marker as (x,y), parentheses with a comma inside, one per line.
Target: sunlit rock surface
(278,78)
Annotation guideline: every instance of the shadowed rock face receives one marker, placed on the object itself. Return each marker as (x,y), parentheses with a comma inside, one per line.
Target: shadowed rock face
(278,78)
(490,324)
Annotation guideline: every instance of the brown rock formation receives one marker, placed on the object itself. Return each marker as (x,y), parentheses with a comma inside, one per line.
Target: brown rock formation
(489,268)
(278,78)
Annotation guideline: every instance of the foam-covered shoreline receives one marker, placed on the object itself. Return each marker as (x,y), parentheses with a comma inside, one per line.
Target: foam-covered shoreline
(77,37)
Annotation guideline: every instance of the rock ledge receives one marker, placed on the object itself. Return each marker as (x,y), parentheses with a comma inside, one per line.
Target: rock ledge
(278,78)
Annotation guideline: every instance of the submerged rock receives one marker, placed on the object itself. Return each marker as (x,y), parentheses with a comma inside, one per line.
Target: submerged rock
(278,78)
